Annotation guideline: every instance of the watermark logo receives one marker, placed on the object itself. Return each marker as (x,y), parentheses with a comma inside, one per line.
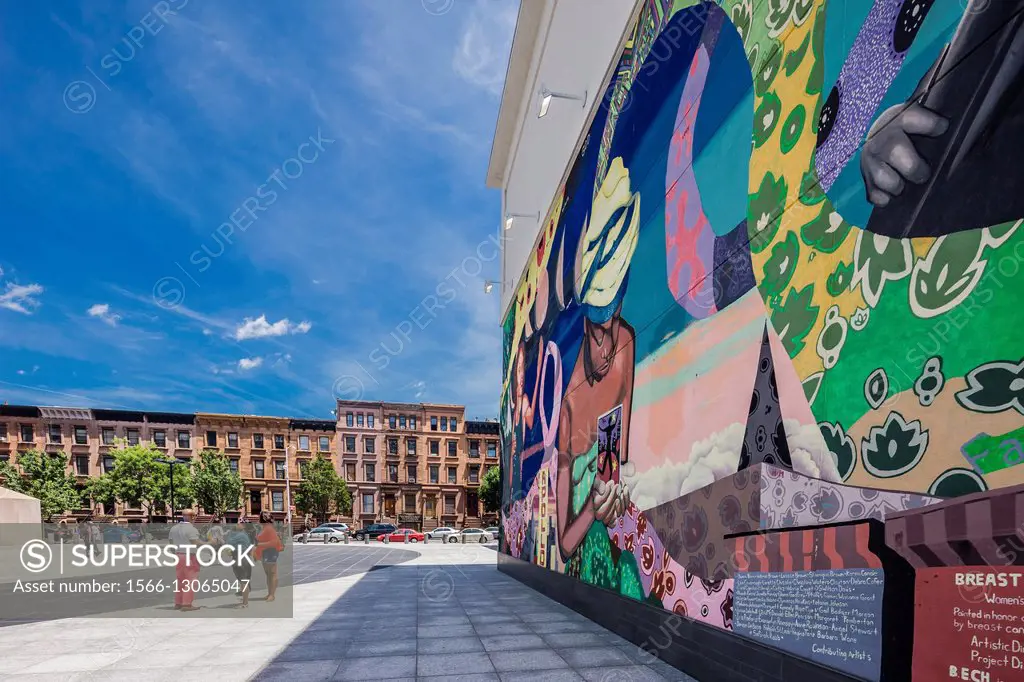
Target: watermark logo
(79,97)
(437,7)
(36,556)
(438,586)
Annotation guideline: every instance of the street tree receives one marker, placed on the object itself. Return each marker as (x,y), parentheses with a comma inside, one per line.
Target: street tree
(322,491)
(139,480)
(217,488)
(490,490)
(44,476)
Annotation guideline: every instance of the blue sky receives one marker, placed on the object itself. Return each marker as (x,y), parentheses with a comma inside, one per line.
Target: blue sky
(250,210)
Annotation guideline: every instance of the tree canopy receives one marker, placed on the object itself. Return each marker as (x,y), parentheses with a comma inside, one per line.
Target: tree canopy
(490,490)
(322,492)
(44,476)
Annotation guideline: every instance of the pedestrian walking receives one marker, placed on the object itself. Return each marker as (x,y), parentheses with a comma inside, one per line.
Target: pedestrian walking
(183,535)
(239,540)
(268,548)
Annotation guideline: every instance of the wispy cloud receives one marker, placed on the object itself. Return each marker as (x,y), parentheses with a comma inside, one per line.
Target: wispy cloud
(258,328)
(21,298)
(246,364)
(481,57)
(102,312)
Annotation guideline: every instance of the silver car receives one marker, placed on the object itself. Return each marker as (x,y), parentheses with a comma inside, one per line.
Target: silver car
(441,533)
(325,534)
(471,535)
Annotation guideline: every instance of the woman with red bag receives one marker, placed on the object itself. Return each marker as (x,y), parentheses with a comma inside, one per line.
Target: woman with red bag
(268,547)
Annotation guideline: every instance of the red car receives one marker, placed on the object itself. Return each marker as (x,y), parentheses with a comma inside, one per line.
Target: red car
(400,535)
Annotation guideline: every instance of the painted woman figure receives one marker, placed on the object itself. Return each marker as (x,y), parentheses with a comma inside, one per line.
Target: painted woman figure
(589,496)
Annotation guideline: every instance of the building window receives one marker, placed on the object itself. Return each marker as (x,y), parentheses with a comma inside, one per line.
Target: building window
(160,438)
(108,464)
(371,473)
(433,423)
(257,468)
(452,448)
(211,439)
(435,448)
(277,500)
(55,435)
(410,446)
(393,473)
(369,420)
(453,474)
(454,424)
(392,421)
(474,448)
(257,441)
(81,435)
(410,502)
(434,473)
(369,446)
(412,422)
(3,433)
(428,508)
(392,446)
(401,421)
(349,419)
(367,503)
(107,435)
(492,449)
(474,474)
(278,441)
(279,469)
(27,433)
(184,439)
(449,504)
(350,443)
(325,443)
(304,443)
(133,436)
(444,423)
(82,465)
(359,419)
(233,463)
(350,472)
(233,441)
(410,473)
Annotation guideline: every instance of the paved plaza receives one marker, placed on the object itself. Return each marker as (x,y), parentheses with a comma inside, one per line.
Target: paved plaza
(361,613)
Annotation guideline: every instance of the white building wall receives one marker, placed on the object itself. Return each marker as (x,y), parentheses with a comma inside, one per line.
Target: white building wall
(577,42)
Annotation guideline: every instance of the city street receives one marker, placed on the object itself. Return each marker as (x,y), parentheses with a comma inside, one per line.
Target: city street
(362,612)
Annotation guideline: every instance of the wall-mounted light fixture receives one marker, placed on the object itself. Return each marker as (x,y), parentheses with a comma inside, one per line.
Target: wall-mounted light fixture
(547,95)
(510,217)
(489,286)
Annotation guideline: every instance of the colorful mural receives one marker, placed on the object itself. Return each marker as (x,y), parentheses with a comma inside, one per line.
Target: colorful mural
(788,255)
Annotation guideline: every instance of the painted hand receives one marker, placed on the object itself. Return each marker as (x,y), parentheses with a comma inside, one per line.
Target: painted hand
(889,158)
(610,501)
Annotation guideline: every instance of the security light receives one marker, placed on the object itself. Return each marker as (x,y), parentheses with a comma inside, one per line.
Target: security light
(547,95)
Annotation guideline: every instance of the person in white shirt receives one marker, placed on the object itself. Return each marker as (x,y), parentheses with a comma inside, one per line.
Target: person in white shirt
(182,534)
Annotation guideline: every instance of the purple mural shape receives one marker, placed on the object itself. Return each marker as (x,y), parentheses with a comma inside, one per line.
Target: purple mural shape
(609,445)
(870,68)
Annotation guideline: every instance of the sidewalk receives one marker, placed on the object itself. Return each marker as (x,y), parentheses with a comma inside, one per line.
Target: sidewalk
(433,612)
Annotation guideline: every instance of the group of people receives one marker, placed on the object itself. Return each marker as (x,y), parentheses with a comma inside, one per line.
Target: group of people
(264,540)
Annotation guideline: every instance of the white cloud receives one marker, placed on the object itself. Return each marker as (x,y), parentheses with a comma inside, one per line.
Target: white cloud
(481,57)
(245,364)
(809,452)
(283,359)
(102,311)
(21,298)
(21,371)
(207,332)
(259,328)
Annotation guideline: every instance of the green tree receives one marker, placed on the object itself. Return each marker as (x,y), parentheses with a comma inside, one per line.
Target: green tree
(44,476)
(217,488)
(490,490)
(139,480)
(322,491)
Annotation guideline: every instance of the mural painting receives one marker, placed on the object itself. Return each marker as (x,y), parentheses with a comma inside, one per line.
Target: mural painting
(780,288)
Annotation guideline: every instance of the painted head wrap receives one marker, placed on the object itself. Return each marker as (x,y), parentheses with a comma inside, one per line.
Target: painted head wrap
(607,244)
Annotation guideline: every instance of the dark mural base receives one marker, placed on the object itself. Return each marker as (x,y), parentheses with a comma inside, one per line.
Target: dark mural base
(704,652)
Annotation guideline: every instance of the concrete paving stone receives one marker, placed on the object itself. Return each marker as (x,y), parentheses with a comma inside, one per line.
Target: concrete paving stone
(512,642)
(426,632)
(592,657)
(511,628)
(547,627)
(562,640)
(542,676)
(493,618)
(547,615)
(323,636)
(449,665)
(626,673)
(519,661)
(383,647)
(475,677)
(295,670)
(376,668)
(449,645)
(443,620)
(637,655)
(326,651)
(375,633)
(69,663)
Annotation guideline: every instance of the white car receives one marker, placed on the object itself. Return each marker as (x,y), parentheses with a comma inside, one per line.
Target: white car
(325,534)
(441,533)
(471,535)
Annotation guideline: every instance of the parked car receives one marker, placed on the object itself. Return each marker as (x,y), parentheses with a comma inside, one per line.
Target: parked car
(441,533)
(335,524)
(115,534)
(493,530)
(399,536)
(471,535)
(325,534)
(374,531)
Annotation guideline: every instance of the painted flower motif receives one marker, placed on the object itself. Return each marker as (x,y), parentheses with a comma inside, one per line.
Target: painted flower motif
(788,519)
(760,437)
(767,71)
(766,119)
(727,610)
(712,586)
(697,566)
(799,501)
(878,259)
(729,510)
(876,388)
(930,383)
(792,128)
(826,504)
(664,580)
(781,13)
(754,507)
(779,268)
(956,482)
(615,540)
(994,387)
(859,320)
(641,525)
(856,510)
(695,529)
(841,447)
(647,556)
(630,542)
(763,211)
(679,608)
(794,318)
(895,447)
(740,479)
(709,551)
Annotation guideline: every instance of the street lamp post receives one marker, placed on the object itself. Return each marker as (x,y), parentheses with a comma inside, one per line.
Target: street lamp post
(288,489)
(172,463)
